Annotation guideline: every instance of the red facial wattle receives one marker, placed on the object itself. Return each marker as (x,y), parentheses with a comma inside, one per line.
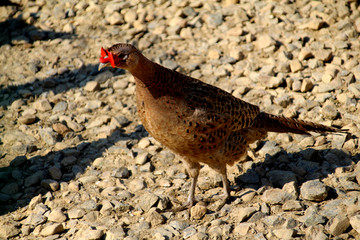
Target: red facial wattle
(106,57)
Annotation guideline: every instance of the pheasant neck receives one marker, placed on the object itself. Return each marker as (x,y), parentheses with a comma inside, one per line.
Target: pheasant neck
(156,79)
(144,71)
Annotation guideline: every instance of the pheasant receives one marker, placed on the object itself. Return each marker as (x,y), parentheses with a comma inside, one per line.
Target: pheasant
(199,122)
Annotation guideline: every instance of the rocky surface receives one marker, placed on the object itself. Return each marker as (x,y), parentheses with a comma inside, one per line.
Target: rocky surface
(76,163)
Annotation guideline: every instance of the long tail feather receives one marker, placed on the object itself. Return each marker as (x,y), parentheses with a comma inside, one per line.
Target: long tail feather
(273,123)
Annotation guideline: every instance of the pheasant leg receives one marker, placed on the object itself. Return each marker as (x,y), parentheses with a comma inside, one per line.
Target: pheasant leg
(193,170)
(226,189)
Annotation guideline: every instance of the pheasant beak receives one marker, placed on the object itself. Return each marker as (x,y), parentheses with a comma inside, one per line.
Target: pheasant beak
(103,65)
(106,59)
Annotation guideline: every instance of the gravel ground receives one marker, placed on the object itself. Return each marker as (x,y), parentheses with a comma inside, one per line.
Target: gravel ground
(76,163)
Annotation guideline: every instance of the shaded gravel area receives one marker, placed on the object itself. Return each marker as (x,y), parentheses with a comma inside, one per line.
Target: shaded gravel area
(76,163)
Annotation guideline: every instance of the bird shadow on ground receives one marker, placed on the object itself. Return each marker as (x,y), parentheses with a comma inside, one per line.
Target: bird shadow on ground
(17,31)
(298,167)
(8,3)
(57,83)
(24,175)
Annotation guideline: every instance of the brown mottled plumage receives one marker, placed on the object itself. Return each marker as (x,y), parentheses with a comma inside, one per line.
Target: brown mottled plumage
(199,122)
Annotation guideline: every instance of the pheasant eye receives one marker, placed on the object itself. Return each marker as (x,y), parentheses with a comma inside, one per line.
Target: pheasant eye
(123,56)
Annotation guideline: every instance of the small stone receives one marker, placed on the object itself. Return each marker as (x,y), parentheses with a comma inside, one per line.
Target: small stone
(276,196)
(314,190)
(295,66)
(307,142)
(306,85)
(60,128)
(89,205)
(120,84)
(283,100)
(106,208)
(76,213)
(42,105)
(242,214)
(88,179)
(93,104)
(199,236)
(214,54)
(292,205)
(17,104)
(323,55)
(52,229)
(330,111)
(248,196)
(33,179)
(355,89)
(8,231)
(198,211)
(147,167)
(141,158)
(10,189)
(50,184)
(4,197)
(115,19)
(57,215)
(274,220)
(144,44)
(242,229)
(265,41)
(147,201)
(18,161)
(291,188)
(122,172)
(55,173)
(130,16)
(25,230)
(284,233)
(48,136)
(280,177)
(76,127)
(315,232)
(188,232)
(327,78)
(68,28)
(92,86)
(237,54)
(60,106)
(315,24)
(357,24)
(338,225)
(68,161)
(35,201)
(355,223)
(122,121)
(276,82)
(27,119)
(230,2)
(214,20)
(137,184)
(89,234)
(179,225)
(305,53)
(296,86)
(154,217)
(270,147)
(35,219)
